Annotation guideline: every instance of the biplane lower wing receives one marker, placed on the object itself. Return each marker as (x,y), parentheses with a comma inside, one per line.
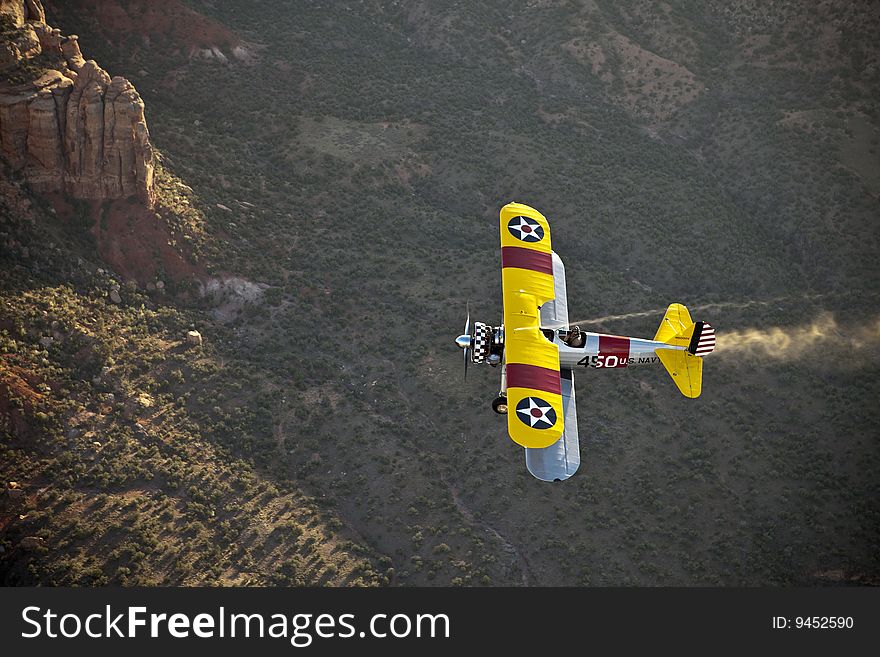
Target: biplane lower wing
(535,417)
(554,314)
(562,459)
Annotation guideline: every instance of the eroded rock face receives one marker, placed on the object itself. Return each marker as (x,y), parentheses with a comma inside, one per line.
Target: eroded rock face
(73,129)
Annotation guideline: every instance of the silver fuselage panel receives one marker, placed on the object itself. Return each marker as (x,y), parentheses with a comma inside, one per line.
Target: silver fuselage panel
(640,351)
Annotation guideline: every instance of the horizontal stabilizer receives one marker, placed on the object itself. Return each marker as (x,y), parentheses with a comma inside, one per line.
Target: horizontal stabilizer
(676,326)
(685,339)
(685,369)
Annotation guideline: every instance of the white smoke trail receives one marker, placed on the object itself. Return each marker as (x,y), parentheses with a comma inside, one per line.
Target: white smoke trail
(721,305)
(822,335)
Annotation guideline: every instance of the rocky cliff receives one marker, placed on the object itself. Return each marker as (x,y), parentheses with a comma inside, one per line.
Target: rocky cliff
(64,122)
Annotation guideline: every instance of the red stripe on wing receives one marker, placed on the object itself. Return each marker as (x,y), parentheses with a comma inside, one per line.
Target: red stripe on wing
(517,256)
(520,375)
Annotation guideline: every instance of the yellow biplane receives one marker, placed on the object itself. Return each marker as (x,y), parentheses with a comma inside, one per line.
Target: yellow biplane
(538,350)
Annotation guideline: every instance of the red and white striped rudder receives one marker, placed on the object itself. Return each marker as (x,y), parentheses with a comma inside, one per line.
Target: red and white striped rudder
(703,339)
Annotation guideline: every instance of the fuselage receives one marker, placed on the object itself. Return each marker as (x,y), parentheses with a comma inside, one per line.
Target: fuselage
(602,350)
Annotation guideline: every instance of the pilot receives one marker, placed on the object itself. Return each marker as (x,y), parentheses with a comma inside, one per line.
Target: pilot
(575,338)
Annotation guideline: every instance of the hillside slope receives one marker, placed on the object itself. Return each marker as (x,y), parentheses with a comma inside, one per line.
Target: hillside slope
(348,172)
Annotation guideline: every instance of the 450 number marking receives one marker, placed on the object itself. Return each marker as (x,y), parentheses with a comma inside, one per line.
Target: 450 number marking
(603,361)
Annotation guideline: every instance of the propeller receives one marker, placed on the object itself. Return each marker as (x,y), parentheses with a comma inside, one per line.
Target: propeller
(465,340)
(467,332)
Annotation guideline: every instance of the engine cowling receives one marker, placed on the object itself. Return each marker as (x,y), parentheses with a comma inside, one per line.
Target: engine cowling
(488,343)
(482,344)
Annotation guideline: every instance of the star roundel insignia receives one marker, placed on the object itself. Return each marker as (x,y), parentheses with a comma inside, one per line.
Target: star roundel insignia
(525,229)
(536,413)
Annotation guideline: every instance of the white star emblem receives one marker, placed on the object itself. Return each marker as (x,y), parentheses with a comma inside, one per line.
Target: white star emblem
(526,229)
(536,412)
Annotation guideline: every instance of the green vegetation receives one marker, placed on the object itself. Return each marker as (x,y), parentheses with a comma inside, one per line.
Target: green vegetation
(321,435)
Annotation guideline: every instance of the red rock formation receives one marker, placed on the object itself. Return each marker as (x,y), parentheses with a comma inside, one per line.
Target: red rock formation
(171,25)
(73,129)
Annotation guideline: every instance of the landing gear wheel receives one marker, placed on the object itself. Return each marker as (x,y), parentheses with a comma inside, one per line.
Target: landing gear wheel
(499,405)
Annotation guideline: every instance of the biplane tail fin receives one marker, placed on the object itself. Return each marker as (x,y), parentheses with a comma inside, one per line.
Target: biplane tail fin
(689,341)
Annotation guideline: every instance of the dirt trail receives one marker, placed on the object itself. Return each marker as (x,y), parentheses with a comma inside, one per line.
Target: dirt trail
(509,547)
(468,515)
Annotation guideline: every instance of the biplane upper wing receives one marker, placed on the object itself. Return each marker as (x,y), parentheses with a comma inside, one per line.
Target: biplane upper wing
(536,416)
(562,459)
